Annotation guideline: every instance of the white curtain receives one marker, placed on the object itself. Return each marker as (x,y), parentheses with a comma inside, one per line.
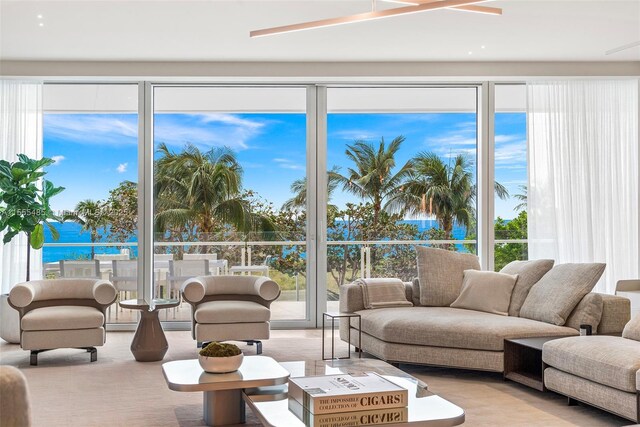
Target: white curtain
(20,133)
(583,174)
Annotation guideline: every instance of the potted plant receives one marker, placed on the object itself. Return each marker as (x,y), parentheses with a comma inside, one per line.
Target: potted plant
(218,358)
(24,207)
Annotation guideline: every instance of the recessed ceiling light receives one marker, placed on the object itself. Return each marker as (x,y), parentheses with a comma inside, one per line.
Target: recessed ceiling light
(41,24)
(39,16)
(470,53)
(482,47)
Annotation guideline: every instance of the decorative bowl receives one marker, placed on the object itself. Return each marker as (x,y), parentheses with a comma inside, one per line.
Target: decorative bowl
(220,365)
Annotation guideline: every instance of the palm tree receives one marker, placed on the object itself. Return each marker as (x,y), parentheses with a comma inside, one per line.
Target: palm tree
(92,216)
(202,189)
(522,197)
(299,191)
(372,177)
(445,190)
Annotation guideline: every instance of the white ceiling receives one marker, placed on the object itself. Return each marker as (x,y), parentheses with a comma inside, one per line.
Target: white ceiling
(217,30)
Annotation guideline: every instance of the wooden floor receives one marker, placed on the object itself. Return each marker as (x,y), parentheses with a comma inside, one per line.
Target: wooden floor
(67,390)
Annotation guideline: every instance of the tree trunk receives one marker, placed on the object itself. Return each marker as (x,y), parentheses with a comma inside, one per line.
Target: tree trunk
(28,256)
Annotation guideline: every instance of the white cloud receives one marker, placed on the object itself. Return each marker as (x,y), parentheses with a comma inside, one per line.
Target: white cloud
(288,164)
(57,159)
(207,130)
(499,139)
(122,167)
(92,129)
(355,135)
(511,153)
(452,139)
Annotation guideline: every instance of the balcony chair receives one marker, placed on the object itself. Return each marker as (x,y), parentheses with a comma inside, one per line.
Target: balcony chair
(216,266)
(230,308)
(124,276)
(181,270)
(62,313)
(80,269)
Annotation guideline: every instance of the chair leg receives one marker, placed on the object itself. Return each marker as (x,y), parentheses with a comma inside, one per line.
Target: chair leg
(258,347)
(33,360)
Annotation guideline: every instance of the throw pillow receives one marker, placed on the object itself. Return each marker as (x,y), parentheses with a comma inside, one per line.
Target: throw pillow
(440,274)
(529,272)
(587,312)
(486,291)
(632,329)
(554,297)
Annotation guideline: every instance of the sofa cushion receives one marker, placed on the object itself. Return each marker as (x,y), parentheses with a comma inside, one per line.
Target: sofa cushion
(486,291)
(638,380)
(231,312)
(587,312)
(607,360)
(555,296)
(632,329)
(62,317)
(529,273)
(440,274)
(451,327)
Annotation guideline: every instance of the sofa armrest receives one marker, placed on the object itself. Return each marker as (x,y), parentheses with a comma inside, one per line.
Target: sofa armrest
(23,294)
(351,298)
(616,312)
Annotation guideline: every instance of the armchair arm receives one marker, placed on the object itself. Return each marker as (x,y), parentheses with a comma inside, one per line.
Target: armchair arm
(23,294)
(195,289)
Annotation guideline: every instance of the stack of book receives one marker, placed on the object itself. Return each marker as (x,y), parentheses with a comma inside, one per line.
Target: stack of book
(347,400)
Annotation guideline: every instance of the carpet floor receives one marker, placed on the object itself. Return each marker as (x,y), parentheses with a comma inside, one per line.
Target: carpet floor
(67,390)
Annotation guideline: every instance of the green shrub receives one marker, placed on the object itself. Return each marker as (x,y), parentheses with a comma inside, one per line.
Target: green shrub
(216,349)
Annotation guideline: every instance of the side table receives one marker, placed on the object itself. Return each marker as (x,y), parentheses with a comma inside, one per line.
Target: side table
(523,361)
(149,343)
(336,315)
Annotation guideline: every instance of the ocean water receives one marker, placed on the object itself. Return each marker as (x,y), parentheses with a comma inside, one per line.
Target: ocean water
(71,232)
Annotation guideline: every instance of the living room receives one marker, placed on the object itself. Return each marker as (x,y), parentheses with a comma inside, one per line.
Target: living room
(208,205)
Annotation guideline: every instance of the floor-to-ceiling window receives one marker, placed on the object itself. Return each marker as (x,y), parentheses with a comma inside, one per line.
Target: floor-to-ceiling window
(401,165)
(386,151)
(230,189)
(91,133)
(510,166)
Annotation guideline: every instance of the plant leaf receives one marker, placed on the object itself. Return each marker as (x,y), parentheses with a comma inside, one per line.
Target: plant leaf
(37,237)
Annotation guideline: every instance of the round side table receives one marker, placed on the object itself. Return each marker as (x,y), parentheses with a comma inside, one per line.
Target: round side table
(149,343)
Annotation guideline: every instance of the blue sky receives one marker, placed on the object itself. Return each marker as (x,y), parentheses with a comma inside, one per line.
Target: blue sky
(95,152)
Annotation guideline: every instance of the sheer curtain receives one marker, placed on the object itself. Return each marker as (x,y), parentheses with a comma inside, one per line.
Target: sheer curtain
(20,133)
(583,174)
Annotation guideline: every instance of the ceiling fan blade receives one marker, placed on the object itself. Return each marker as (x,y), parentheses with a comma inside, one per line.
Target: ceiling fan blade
(623,47)
(367,16)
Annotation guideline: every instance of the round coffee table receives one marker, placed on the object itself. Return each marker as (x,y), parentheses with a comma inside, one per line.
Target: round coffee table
(149,343)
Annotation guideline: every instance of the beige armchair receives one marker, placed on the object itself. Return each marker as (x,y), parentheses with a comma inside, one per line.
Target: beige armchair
(230,308)
(62,313)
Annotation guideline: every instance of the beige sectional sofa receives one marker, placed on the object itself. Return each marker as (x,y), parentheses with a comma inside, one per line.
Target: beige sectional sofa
(603,371)
(453,337)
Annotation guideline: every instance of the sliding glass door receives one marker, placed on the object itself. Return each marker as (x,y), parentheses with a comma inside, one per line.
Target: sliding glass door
(230,190)
(91,133)
(401,171)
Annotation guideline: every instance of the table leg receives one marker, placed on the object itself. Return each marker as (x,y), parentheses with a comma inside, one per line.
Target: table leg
(149,343)
(223,407)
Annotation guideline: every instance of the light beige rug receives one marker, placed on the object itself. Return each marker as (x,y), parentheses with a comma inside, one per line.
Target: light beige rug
(67,390)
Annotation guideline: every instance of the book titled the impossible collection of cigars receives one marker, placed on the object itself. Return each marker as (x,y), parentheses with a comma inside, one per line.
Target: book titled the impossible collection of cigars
(347,400)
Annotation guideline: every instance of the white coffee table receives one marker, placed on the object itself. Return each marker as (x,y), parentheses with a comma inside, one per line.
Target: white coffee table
(425,409)
(223,403)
